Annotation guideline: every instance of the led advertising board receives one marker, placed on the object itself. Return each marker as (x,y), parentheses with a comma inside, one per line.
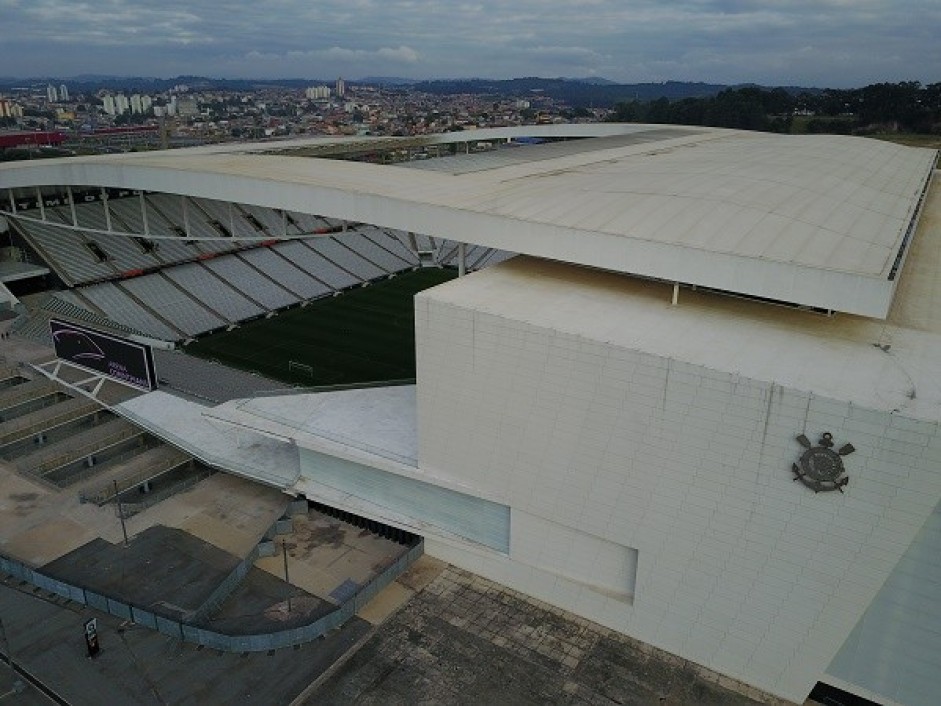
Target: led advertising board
(116,357)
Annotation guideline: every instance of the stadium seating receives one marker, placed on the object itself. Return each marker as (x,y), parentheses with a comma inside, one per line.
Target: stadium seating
(308,223)
(66,251)
(384,249)
(117,305)
(192,287)
(341,255)
(204,286)
(271,220)
(315,265)
(228,216)
(126,215)
(250,281)
(179,309)
(287,275)
(171,207)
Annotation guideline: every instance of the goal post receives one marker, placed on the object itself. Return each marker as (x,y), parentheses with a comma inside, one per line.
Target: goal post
(298,368)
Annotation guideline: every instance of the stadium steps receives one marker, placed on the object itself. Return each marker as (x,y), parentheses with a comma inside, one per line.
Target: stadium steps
(153,312)
(16,395)
(131,473)
(14,430)
(83,444)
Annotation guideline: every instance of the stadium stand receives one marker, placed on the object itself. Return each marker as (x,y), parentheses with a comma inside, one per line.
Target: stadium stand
(272,220)
(307,223)
(174,288)
(90,215)
(316,265)
(126,212)
(201,284)
(228,216)
(183,312)
(126,254)
(385,250)
(287,275)
(117,305)
(66,252)
(194,221)
(248,280)
(342,255)
(495,256)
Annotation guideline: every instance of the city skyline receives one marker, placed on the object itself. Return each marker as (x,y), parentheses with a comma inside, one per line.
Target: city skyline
(826,43)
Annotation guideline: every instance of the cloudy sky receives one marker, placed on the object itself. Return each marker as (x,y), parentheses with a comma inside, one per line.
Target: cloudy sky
(835,43)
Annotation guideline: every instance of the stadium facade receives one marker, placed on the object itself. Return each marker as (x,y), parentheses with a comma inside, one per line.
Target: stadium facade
(702,407)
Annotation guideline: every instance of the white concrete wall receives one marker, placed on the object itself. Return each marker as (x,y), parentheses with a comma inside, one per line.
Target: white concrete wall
(738,567)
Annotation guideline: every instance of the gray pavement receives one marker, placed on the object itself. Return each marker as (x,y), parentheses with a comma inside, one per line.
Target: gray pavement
(465,640)
(137,666)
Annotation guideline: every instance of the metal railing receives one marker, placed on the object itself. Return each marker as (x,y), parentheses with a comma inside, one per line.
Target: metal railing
(187,631)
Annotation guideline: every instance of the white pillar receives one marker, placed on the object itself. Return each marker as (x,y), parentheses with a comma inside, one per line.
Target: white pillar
(143,213)
(186,216)
(104,203)
(68,190)
(42,206)
(676,293)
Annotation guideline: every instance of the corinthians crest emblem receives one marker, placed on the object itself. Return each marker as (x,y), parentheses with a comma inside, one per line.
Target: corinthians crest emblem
(820,467)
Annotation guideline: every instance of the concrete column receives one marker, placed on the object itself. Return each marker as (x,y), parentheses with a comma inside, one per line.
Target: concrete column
(68,190)
(104,204)
(461,256)
(143,213)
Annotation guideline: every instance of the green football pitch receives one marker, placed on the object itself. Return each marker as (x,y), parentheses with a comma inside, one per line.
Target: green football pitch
(363,335)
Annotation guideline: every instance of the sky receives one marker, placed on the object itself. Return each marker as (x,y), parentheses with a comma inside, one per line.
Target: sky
(824,43)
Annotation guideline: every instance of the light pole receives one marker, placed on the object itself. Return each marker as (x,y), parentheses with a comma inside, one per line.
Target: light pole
(117,499)
(287,580)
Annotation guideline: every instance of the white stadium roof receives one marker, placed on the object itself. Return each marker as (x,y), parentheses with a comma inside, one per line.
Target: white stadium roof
(819,221)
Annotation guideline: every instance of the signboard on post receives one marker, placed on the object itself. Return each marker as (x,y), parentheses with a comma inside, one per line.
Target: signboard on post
(119,358)
(91,637)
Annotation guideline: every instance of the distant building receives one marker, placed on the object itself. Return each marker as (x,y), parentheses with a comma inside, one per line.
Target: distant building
(107,104)
(63,93)
(52,95)
(317,92)
(186,106)
(341,87)
(9,109)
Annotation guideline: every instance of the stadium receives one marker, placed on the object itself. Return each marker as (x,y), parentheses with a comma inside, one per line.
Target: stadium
(631,362)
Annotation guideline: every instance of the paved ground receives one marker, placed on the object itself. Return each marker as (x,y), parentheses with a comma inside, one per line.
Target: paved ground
(465,640)
(137,666)
(326,554)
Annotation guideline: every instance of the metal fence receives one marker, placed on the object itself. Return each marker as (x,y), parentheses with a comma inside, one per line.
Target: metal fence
(186,631)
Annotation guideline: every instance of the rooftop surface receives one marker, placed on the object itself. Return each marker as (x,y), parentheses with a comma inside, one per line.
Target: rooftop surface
(377,420)
(815,220)
(882,365)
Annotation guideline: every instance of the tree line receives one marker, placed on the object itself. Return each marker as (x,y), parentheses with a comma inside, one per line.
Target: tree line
(883,107)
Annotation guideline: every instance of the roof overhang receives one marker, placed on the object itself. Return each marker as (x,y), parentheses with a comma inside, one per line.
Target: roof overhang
(817,221)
